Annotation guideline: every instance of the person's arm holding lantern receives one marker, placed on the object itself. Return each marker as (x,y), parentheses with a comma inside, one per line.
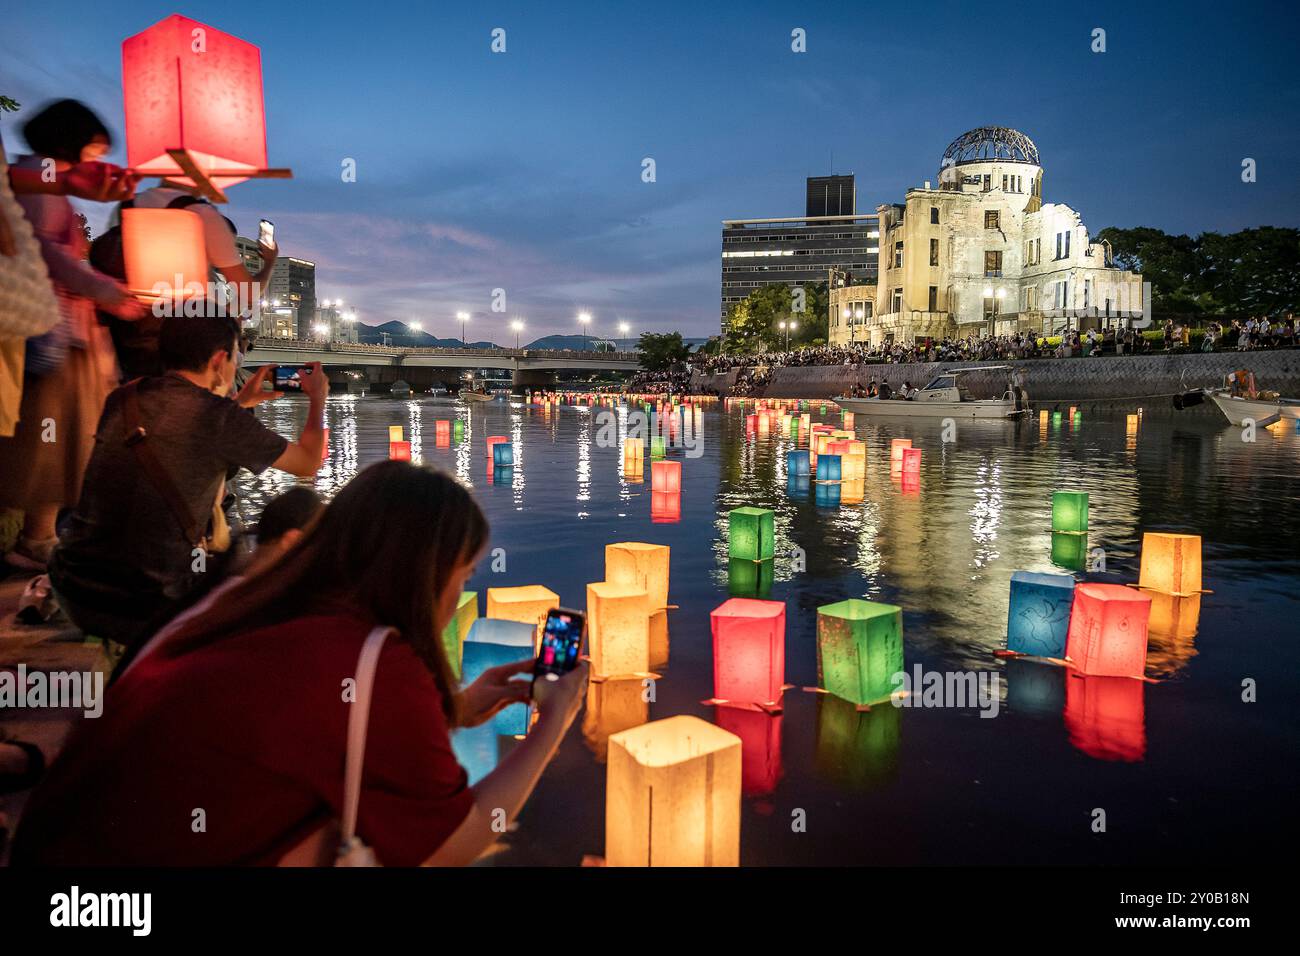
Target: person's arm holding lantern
(95,181)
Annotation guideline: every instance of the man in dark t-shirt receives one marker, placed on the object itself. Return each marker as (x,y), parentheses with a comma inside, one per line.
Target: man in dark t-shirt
(164,447)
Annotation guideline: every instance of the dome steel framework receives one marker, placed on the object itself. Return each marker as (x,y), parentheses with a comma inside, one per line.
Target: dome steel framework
(991,143)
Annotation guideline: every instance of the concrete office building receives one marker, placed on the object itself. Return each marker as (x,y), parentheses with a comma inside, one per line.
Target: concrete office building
(288,305)
(799,250)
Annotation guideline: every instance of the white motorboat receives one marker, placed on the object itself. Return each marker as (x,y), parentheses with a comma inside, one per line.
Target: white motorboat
(945,397)
(1239,400)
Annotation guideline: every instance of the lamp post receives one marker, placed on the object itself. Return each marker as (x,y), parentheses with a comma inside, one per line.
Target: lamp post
(518,326)
(585,319)
(788,327)
(464,317)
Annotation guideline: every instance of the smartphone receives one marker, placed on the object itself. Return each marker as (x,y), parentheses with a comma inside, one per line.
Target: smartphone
(561,641)
(266,232)
(287,378)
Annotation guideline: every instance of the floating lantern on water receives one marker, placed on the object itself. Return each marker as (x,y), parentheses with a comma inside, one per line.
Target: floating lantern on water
(503,454)
(672,795)
(1056,418)
(848,419)
(399,450)
(527,604)
(1105,718)
(1074,410)
(645,566)
(751,534)
(494,440)
(796,462)
(748,651)
(911,464)
(1171,563)
(633,455)
(395,433)
(1070,511)
(618,629)
(859,649)
(457,629)
(1038,619)
(1070,550)
(666,476)
(192,97)
(657,446)
(805,420)
(665,507)
(1132,424)
(165,254)
(442,431)
(854,464)
(1108,630)
(852,491)
(896,448)
(490,643)
(458,430)
(828,468)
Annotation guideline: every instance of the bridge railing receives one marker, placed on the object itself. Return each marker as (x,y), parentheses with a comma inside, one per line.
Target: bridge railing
(299,345)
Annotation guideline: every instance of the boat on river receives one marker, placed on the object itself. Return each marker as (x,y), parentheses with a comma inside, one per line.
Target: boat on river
(1240,399)
(946,396)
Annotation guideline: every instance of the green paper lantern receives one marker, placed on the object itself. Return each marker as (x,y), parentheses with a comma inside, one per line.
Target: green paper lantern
(657,446)
(1056,418)
(1070,511)
(751,533)
(859,649)
(1070,550)
(453,635)
(750,579)
(458,429)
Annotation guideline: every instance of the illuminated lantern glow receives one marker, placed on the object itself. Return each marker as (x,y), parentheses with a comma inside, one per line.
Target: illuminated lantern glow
(912,463)
(665,507)
(750,579)
(760,747)
(1070,511)
(848,419)
(618,629)
(1108,630)
(1042,417)
(457,629)
(657,449)
(503,454)
(527,604)
(194,115)
(612,706)
(854,463)
(672,795)
(494,440)
(856,749)
(633,455)
(399,450)
(805,420)
(1056,418)
(491,643)
(796,462)
(1038,617)
(395,433)
(1070,550)
(896,448)
(500,476)
(458,430)
(1174,615)
(826,494)
(1105,717)
(165,254)
(828,468)
(1171,563)
(666,476)
(859,649)
(1132,424)
(852,491)
(442,431)
(748,651)
(639,565)
(751,534)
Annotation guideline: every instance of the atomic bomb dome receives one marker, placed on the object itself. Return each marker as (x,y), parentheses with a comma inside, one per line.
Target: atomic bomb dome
(990,144)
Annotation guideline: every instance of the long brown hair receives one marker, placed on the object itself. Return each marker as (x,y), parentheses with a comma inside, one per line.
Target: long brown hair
(387,544)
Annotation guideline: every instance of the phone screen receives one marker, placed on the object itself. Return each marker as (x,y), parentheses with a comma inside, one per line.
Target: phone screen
(287,378)
(266,232)
(561,641)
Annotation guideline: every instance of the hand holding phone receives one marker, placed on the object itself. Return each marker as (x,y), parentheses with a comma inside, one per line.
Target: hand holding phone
(266,232)
(287,378)
(561,642)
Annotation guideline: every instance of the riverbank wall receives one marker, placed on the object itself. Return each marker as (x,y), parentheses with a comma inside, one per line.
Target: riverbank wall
(1123,379)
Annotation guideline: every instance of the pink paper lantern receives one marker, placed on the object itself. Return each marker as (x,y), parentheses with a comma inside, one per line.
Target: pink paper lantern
(748,651)
(912,463)
(1108,630)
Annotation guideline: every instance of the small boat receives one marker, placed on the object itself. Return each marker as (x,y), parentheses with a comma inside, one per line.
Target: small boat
(399,389)
(472,396)
(1239,399)
(945,397)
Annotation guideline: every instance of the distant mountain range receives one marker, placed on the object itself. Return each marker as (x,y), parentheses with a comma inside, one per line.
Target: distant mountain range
(400,333)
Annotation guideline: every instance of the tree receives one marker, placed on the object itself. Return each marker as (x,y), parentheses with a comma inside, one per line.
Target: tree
(659,352)
(9,105)
(754,324)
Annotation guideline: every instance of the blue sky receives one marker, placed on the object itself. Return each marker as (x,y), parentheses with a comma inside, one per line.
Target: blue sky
(522,170)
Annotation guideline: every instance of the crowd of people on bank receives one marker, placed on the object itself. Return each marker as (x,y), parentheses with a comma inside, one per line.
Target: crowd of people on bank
(122,429)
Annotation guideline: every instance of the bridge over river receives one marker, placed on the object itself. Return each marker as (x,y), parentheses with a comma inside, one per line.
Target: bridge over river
(379,366)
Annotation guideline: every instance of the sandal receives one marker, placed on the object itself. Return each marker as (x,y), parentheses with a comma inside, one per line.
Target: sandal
(14,782)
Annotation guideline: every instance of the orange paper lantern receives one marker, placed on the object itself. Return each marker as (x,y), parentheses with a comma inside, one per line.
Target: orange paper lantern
(1171,563)
(165,253)
(618,629)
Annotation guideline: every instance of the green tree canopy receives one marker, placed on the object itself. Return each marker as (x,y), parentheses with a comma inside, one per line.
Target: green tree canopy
(754,323)
(659,352)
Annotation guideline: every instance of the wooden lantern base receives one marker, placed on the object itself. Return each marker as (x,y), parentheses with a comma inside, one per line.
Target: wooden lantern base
(204,180)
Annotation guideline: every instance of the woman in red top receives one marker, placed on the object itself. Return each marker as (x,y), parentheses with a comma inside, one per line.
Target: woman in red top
(224,743)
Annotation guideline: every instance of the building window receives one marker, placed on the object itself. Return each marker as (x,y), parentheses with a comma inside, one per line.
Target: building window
(934,252)
(990,307)
(992,219)
(934,298)
(898,255)
(1062,245)
(988,183)
(993,264)
(896,301)
(934,215)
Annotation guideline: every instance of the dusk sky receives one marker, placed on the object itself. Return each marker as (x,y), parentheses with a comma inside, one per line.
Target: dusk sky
(522,170)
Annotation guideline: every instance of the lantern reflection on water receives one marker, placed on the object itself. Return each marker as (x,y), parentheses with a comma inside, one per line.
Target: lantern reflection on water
(1105,717)
(748,651)
(859,649)
(1069,550)
(1038,618)
(665,508)
(612,706)
(1108,630)
(760,747)
(750,579)
(672,795)
(856,749)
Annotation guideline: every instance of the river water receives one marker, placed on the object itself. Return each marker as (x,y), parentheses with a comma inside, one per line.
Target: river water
(1182,767)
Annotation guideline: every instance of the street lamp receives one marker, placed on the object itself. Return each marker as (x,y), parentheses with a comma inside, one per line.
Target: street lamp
(787,327)
(464,317)
(518,326)
(322,330)
(585,319)
(624,329)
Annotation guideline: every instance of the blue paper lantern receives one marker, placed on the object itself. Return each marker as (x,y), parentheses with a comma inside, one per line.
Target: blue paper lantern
(828,467)
(1039,616)
(491,642)
(827,495)
(796,462)
(503,454)
(797,486)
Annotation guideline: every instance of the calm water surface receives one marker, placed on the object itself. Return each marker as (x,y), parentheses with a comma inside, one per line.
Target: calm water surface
(1183,768)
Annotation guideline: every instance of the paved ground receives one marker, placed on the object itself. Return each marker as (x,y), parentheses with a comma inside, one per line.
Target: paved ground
(54,647)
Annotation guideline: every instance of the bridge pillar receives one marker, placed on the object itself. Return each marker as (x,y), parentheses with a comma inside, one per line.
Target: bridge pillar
(526,378)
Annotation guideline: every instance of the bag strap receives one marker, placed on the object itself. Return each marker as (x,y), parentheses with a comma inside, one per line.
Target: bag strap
(135,437)
(358,721)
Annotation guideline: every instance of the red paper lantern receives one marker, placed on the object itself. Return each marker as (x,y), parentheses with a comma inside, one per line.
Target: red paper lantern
(911,463)
(442,431)
(399,450)
(748,651)
(193,102)
(666,476)
(494,440)
(1108,630)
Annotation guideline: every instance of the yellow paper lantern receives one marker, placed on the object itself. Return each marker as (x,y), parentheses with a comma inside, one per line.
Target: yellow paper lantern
(1171,563)
(896,451)
(672,795)
(527,604)
(395,433)
(644,566)
(1132,425)
(618,629)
